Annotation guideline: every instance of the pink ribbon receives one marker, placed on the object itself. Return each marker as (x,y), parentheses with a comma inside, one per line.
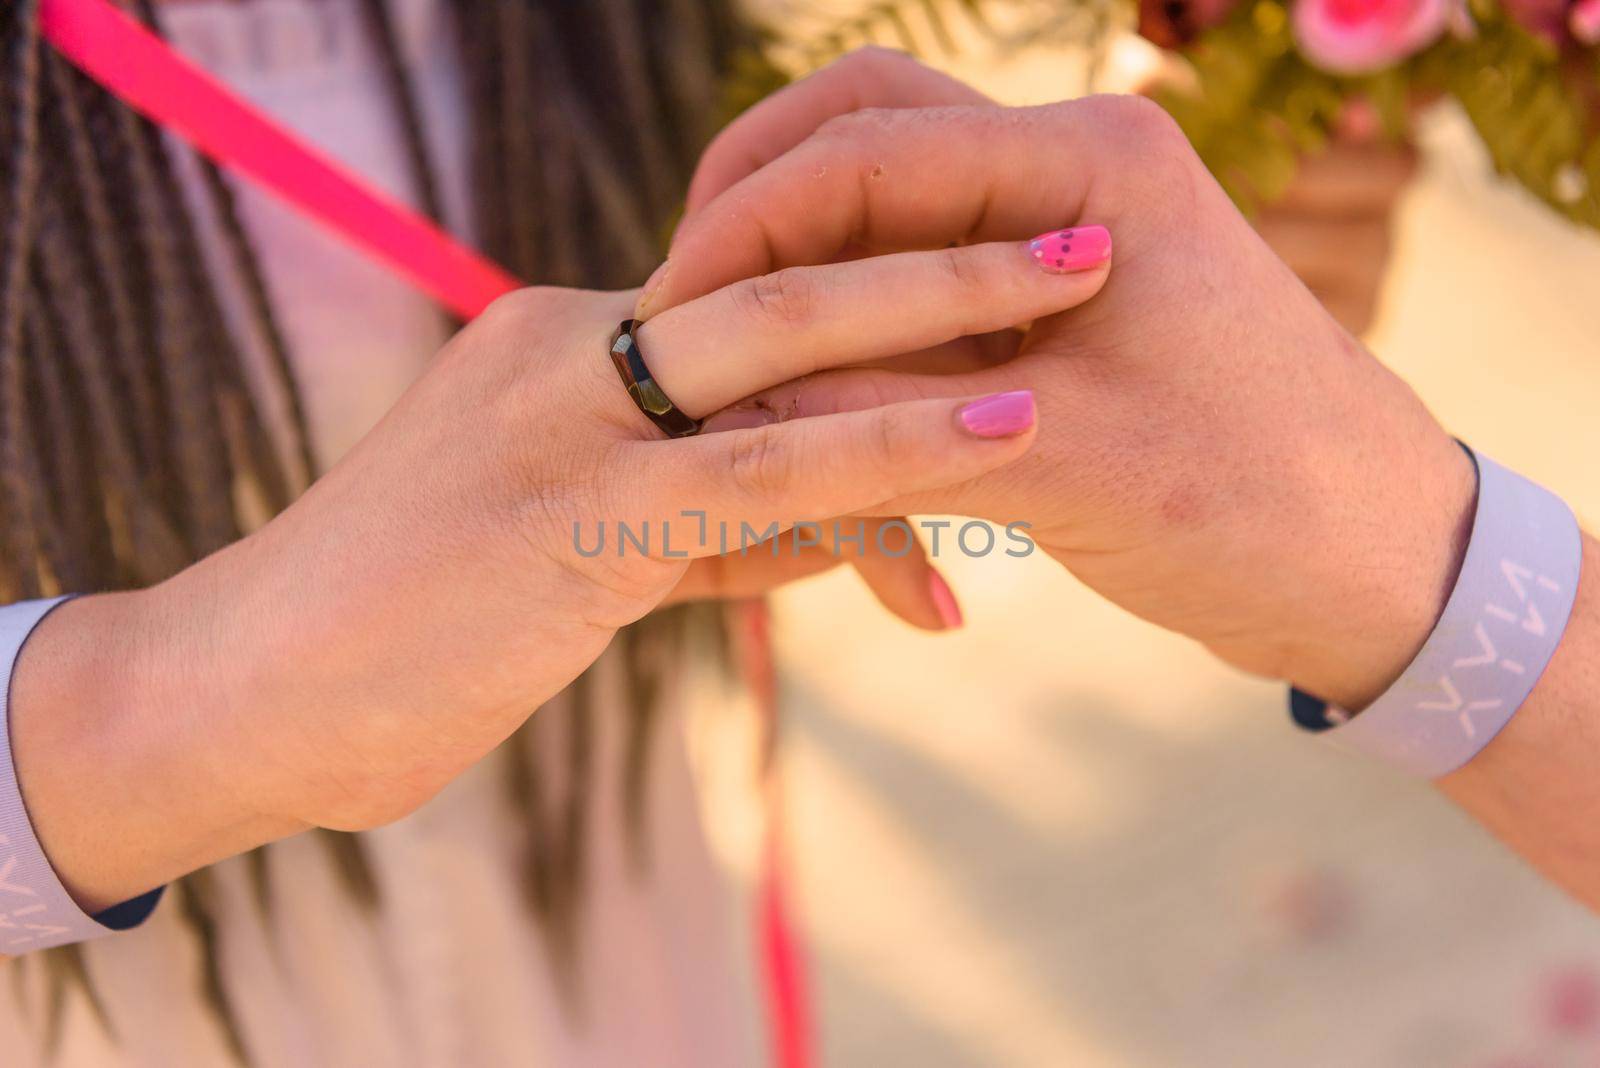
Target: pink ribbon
(153,79)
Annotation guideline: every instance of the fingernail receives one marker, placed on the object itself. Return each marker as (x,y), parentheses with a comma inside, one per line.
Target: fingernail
(944,601)
(652,284)
(738,419)
(1075,249)
(1003,415)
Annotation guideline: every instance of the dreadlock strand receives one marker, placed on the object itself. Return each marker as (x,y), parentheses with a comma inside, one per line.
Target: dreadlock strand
(195,432)
(127,265)
(71,250)
(76,150)
(246,265)
(66,973)
(476,28)
(247,457)
(193,892)
(21,969)
(155,547)
(556,178)
(517,90)
(638,120)
(687,86)
(643,716)
(247,268)
(349,856)
(22,175)
(68,521)
(380,29)
(580,773)
(621,217)
(57,562)
(231,414)
(259,874)
(229,377)
(556,826)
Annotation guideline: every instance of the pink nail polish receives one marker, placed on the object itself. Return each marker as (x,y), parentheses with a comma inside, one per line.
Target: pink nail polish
(1074,249)
(1003,415)
(944,601)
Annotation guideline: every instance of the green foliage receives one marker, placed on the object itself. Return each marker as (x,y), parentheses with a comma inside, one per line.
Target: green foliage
(753,77)
(1534,112)
(939,29)
(916,26)
(1257,106)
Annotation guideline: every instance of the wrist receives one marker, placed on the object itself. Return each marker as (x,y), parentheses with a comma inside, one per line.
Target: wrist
(120,747)
(1386,593)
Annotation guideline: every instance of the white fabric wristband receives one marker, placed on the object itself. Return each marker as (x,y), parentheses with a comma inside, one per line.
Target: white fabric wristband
(1499,629)
(36,912)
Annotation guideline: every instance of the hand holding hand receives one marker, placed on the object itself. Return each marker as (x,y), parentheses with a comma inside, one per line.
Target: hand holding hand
(905,583)
(1218,455)
(407,613)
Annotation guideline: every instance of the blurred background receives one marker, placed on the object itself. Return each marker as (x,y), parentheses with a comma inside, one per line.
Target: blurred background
(1062,837)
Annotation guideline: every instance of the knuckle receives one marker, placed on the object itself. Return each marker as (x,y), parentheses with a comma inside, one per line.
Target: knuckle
(1142,132)
(1150,157)
(872,55)
(760,465)
(557,520)
(855,127)
(836,130)
(521,306)
(892,437)
(1135,113)
(545,515)
(889,450)
(499,348)
(785,298)
(873,58)
(959,271)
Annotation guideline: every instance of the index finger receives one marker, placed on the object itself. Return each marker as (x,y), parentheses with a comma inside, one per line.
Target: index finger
(923,178)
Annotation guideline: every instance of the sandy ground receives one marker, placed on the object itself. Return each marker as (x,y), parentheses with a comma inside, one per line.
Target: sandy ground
(1062,837)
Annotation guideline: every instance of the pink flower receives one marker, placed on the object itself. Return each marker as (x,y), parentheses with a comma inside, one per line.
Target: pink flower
(1359,36)
(1174,23)
(1584,21)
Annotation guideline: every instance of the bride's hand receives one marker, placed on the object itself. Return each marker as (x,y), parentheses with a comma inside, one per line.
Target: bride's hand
(409,611)
(1217,455)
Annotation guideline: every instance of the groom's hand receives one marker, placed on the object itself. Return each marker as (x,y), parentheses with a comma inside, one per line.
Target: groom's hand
(1216,453)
